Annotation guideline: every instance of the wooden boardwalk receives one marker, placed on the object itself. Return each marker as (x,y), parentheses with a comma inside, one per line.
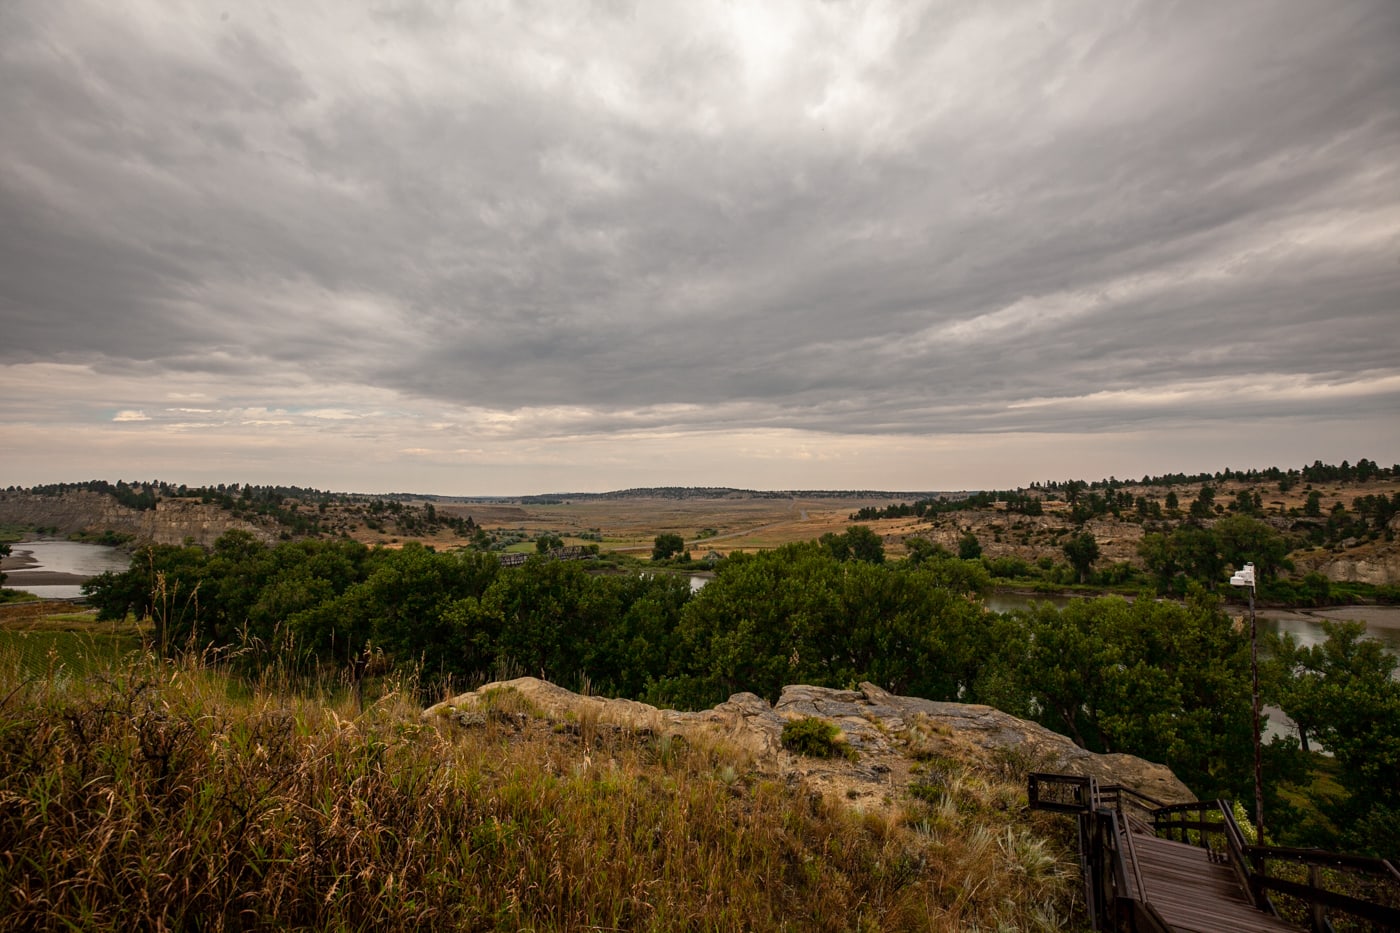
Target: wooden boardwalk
(1151,867)
(1192,892)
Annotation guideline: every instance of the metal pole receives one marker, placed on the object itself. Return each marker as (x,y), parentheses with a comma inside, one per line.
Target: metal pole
(1258,751)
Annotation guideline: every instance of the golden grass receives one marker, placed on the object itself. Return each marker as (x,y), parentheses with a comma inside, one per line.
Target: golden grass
(166,796)
(632,524)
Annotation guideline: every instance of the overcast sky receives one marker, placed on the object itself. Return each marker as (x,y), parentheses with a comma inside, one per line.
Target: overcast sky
(490,248)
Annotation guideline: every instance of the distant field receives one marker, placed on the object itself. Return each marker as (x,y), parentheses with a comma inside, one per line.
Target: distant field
(632,524)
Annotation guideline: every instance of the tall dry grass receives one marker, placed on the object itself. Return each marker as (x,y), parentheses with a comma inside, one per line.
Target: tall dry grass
(167,796)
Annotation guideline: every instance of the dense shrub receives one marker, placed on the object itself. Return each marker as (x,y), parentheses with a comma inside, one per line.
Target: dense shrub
(816,738)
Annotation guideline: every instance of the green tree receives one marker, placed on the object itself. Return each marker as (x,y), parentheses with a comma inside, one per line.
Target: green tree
(920,631)
(764,621)
(1198,554)
(403,605)
(798,615)
(4,553)
(633,652)
(1081,551)
(865,544)
(1163,680)
(922,549)
(838,546)
(969,579)
(667,546)
(969,548)
(542,618)
(857,543)
(1247,503)
(1204,505)
(1159,557)
(1050,666)
(1343,693)
(1242,539)
(1313,507)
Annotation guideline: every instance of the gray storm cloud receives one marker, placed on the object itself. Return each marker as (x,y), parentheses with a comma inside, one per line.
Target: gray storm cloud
(857,218)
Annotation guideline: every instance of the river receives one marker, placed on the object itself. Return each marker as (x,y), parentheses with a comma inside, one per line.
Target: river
(1305,625)
(56,569)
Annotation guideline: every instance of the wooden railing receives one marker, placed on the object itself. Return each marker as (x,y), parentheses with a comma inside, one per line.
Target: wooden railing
(1198,823)
(1113,883)
(1114,888)
(1251,863)
(1319,899)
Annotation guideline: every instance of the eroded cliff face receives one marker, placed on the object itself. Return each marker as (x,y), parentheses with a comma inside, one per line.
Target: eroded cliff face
(172,521)
(893,737)
(1381,570)
(1373,562)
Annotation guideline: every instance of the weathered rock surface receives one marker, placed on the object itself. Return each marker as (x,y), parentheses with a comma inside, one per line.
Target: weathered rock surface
(172,521)
(891,735)
(1377,570)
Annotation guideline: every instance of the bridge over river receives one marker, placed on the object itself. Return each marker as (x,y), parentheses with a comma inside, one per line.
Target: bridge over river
(572,552)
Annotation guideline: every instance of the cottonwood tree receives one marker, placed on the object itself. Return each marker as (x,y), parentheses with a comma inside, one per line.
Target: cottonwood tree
(666,546)
(857,543)
(969,548)
(1242,539)
(1163,680)
(1343,694)
(800,615)
(1081,551)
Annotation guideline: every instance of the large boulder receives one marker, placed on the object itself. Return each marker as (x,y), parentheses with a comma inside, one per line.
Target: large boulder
(895,739)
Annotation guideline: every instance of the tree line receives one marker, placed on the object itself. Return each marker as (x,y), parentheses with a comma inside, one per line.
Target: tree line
(1364,470)
(1016,501)
(1091,499)
(1166,680)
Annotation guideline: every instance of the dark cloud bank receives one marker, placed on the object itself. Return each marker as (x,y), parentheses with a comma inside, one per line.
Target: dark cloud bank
(848,219)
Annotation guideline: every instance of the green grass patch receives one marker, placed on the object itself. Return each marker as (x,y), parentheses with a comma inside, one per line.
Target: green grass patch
(10,534)
(106,537)
(36,653)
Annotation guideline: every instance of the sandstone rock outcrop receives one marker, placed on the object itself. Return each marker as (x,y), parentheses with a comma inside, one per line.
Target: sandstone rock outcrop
(172,521)
(894,738)
(1377,570)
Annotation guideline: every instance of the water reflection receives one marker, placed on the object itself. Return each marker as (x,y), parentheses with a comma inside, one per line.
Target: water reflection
(1382,622)
(67,557)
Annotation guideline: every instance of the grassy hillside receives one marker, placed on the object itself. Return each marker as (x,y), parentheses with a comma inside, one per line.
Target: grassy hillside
(165,794)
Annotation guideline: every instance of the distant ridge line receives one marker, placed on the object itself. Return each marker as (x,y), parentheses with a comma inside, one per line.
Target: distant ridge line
(726,492)
(689,492)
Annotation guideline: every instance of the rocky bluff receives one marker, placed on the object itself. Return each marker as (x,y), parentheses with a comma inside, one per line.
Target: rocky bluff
(890,736)
(172,521)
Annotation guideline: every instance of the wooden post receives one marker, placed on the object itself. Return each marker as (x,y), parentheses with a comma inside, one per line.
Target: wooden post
(1319,911)
(1258,751)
